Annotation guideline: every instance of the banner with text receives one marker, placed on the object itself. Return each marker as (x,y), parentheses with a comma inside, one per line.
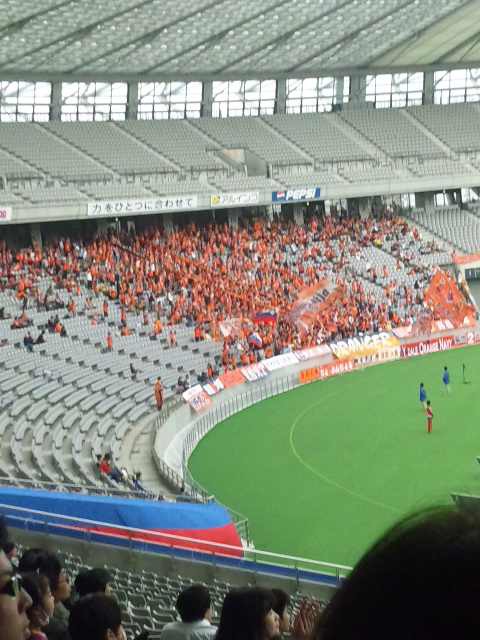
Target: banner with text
(313,301)
(423,347)
(139,206)
(255,371)
(364,347)
(299,194)
(197,398)
(327,371)
(313,352)
(5,214)
(234,199)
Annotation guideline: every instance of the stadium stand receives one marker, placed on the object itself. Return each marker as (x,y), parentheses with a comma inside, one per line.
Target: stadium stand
(105,325)
(70,399)
(458,227)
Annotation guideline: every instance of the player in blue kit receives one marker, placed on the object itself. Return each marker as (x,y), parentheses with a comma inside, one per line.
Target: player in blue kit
(446,379)
(422,394)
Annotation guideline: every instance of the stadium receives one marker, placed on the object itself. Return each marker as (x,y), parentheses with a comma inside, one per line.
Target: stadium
(239,322)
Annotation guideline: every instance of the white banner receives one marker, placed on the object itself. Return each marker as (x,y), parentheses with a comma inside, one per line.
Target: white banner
(313,352)
(255,371)
(278,362)
(5,214)
(104,208)
(232,199)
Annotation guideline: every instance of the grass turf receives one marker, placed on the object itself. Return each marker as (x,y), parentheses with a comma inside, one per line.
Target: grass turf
(321,471)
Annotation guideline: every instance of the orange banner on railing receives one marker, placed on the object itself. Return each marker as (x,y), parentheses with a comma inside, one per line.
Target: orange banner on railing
(326,371)
(447,302)
(463,260)
(232,378)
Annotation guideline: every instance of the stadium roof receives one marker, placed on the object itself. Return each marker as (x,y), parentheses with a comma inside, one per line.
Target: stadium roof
(199,39)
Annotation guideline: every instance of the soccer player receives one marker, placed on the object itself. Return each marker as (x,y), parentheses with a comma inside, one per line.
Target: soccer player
(429,417)
(423,396)
(464,373)
(446,379)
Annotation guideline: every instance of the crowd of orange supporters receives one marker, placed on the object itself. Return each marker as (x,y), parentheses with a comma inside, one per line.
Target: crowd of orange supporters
(205,275)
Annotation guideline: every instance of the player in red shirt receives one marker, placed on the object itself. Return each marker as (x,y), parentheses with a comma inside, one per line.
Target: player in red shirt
(429,417)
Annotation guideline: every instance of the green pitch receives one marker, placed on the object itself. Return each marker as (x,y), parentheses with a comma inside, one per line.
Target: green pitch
(321,471)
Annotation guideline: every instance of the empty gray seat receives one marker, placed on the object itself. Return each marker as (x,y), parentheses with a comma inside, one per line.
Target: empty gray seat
(105,406)
(37,409)
(76,398)
(20,406)
(54,414)
(43,391)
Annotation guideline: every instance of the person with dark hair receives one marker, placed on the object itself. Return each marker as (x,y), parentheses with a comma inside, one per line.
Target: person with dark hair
(97,580)
(11,551)
(96,617)
(194,607)
(14,600)
(281,602)
(38,588)
(48,564)
(420,580)
(248,613)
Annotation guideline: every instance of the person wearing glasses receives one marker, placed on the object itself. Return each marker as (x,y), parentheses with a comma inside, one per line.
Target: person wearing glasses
(14,601)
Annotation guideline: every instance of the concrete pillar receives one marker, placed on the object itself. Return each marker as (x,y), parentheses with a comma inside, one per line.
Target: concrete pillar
(298,216)
(270,209)
(339,84)
(132,101)
(428,87)
(281,106)
(233,216)
(358,89)
(36,235)
(207,99)
(364,207)
(453,196)
(167,222)
(425,199)
(56,101)
(105,223)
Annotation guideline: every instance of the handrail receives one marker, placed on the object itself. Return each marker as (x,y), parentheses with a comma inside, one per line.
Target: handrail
(84,488)
(295,560)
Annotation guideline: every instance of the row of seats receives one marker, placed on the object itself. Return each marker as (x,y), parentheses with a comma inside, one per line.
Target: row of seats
(458,227)
(148,599)
(171,148)
(70,400)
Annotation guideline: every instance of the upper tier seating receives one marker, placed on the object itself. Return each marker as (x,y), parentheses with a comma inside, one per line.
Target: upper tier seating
(460,228)
(185,156)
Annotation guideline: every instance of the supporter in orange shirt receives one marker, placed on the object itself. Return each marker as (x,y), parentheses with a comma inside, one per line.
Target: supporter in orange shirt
(159,393)
(109,342)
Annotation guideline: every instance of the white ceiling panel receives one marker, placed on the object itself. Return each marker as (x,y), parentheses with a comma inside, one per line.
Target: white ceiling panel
(101,39)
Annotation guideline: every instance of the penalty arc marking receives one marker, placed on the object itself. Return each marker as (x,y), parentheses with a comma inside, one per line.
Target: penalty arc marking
(322,476)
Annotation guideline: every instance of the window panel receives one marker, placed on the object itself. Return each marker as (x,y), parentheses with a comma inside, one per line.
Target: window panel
(19,99)
(249,98)
(315,94)
(99,101)
(395,90)
(458,85)
(163,100)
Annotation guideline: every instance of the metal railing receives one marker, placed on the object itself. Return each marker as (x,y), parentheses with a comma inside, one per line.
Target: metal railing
(66,487)
(221,411)
(227,408)
(214,553)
